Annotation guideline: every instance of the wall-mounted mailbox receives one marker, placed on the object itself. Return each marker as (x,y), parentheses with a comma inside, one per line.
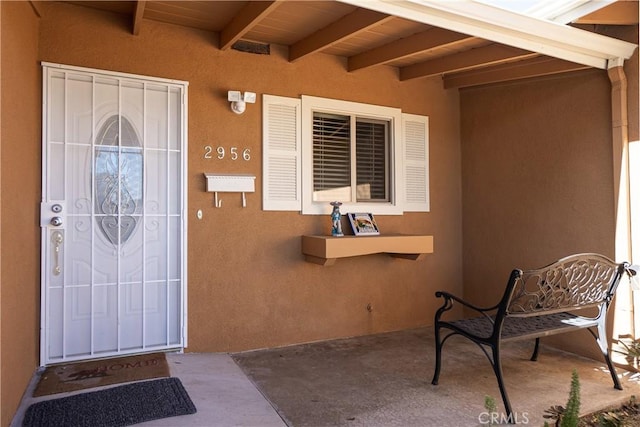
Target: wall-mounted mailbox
(230,183)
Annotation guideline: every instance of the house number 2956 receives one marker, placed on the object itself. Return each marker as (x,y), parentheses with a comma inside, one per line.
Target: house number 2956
(221,153)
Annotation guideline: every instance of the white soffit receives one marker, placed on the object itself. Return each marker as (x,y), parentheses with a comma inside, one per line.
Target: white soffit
(509,28)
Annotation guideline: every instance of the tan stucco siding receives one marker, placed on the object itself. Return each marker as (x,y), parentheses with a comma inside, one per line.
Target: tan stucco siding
(538,177)
(19,205)
(249,286)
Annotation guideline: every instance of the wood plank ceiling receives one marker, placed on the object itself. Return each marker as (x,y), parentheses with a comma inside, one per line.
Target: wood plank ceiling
(364,37)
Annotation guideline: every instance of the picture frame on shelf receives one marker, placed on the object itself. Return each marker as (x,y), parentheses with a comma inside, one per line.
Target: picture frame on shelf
(363,224)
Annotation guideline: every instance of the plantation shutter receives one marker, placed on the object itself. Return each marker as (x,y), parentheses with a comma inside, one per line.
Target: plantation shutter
(281,161)
(415,130)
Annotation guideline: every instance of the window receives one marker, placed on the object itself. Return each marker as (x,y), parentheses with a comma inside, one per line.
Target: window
(317,150)
(350,158)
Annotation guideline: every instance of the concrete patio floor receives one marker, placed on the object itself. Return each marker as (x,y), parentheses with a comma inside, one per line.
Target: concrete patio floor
(379,380)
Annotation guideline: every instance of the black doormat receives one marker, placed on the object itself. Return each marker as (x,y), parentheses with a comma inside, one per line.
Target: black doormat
(118,406)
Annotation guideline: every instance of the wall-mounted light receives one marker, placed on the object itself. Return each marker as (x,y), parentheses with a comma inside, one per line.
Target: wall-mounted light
(239,100)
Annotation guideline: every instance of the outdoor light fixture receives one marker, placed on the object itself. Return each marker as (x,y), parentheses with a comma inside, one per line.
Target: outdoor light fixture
(239,100)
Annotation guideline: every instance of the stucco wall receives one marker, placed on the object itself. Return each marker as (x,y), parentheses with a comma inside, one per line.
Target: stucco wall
(538,178)
(249,286)
(19,204)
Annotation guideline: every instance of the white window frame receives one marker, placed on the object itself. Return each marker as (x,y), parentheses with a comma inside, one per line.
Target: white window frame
(310,104)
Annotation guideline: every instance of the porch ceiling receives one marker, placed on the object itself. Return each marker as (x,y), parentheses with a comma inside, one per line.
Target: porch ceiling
(467,43)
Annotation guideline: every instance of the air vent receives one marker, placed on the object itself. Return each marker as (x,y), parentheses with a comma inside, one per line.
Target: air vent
(252,47)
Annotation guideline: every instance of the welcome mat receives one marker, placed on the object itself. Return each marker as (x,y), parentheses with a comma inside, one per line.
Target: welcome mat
(113,407)
(97,373)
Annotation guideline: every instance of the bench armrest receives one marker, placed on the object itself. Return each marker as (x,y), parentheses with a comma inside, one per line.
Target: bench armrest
(450,298)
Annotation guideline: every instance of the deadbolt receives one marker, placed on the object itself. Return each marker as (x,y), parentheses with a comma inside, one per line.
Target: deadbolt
(57,208)
(56,221)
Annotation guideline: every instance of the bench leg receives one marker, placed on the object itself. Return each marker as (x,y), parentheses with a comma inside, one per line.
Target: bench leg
(601,339)
(612,370)
(534,356)
(494,359)
(497,368)
(436,374)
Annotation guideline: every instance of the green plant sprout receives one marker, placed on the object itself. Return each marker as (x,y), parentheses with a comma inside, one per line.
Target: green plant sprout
(490,406)
(567,416)
(572,415)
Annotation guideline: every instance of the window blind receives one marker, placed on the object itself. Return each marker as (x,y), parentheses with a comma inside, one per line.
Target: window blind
(331,152)
(372,160)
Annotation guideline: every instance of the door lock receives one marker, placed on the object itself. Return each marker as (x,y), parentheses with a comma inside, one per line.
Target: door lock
(52,213)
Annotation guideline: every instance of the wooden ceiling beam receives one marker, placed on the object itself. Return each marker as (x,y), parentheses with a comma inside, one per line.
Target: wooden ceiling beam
(488,55)
(250,15)
(535,67)
(345,27)
(138,13)
(401,48)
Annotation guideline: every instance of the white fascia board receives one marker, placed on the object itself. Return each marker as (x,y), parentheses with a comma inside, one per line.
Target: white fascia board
(509,28)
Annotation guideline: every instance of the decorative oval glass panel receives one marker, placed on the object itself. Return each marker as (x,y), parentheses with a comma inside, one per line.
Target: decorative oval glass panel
(118,179)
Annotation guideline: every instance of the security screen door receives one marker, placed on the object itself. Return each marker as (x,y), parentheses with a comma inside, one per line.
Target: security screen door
(113,230)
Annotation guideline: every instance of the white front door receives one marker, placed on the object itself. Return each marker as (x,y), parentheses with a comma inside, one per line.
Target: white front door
(112,214)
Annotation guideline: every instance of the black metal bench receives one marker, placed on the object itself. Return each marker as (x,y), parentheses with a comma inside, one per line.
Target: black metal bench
(538,303)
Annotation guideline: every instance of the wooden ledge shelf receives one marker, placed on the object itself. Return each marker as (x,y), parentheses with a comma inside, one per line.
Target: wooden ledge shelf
(325,250)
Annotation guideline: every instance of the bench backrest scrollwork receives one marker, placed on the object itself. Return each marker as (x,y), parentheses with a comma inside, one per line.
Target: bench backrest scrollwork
(575,282)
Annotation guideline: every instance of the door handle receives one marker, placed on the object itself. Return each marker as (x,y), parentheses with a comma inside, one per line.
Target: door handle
(56,240)
(56,221)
